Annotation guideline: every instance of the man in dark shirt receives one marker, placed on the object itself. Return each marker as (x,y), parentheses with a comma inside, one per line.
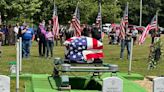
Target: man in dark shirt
(96,32)
(41,42)
(126,42)
(86,31)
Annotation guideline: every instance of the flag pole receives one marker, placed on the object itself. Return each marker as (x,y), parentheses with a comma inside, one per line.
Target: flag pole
(157,19)
(20,54)
(140,13)
(131,48)
(131,54)
(100,17)
(17,66)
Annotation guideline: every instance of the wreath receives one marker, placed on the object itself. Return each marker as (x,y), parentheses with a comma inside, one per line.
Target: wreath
(155,54)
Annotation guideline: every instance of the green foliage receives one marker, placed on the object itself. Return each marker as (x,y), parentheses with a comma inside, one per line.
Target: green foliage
(112,10)
(155,54)
(20,9)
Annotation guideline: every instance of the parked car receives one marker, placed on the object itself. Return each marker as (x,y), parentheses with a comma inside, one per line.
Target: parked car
(106,27)
(140,28)
(162,30)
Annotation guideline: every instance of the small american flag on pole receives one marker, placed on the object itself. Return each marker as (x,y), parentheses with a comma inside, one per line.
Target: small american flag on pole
(124,22)
(151,26)
(98,19)
(125,17)
(55,22)
(76,22)
(154,24)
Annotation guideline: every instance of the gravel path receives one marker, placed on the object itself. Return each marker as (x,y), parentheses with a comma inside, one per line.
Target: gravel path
(146,84)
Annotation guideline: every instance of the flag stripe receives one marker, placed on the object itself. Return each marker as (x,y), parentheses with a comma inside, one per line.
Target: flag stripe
(55,26)
(151,26)
(90,54)
(55,22)
(76,26)
(124,22)
(94,55)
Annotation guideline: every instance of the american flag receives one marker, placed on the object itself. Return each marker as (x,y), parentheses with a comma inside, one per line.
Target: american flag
(151,26)
(76,22)
(82,49)
(124,22)
(55,22)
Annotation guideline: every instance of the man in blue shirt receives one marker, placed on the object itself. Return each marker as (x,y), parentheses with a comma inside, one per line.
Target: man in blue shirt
(27,37)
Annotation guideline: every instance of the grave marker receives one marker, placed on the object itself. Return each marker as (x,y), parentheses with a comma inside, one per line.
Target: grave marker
(4,83)
(112,84)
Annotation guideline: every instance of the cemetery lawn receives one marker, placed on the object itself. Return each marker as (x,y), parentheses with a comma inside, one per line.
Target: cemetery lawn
(38,65)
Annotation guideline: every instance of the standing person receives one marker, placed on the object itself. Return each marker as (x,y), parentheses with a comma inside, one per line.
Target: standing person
(86,31)
(27,37)
(16,30)
(69,32)
(51,26)
(111,36)
(50,41)
(5,36)
(126,42)
(11,35)
(41,40)
(155,34)
(50,23)
(134,34)
(61,34)
(1,36)
(96,32)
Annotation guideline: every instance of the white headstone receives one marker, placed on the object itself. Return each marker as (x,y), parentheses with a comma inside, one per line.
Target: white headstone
(4,83)
(112,84)
(158,84)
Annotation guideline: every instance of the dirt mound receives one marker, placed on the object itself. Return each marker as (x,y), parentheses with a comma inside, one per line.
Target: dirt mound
(146,83)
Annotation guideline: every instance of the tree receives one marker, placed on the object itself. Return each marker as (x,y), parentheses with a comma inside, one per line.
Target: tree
(20,9)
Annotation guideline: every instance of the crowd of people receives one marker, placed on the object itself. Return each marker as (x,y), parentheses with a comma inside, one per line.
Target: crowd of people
(46,39)
(115,38)
(43,35)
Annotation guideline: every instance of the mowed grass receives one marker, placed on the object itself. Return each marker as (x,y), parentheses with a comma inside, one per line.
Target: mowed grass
(43,65)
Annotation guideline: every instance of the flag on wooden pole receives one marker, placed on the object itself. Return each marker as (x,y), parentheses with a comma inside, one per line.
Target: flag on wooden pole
(98,19)
(124,22)
(55,22)
(75,22)
(151,26)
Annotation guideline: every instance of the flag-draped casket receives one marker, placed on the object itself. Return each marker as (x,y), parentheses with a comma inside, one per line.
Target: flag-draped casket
(83,49)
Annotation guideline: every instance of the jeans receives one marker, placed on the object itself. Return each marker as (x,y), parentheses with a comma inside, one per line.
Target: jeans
(26,44)
(42,47)
(127,44)
(50,45)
